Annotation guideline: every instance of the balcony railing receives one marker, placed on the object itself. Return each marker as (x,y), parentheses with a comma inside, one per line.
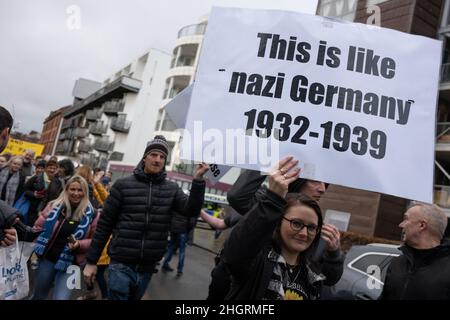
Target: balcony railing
(84,147)
(121,125)
(98,128)
(103,164)
(445,72)
(66,124)
(116,156)
(113,107)
(124,82)
(80,132)
(185,61)
(103,145)
(192,30)
(443,132)
(89,160)
(93,115)
(63,148)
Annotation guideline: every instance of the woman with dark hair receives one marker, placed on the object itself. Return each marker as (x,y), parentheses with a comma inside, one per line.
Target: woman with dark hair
(269,252)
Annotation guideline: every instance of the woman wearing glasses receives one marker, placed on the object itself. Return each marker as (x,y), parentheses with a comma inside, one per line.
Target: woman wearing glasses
(269,251)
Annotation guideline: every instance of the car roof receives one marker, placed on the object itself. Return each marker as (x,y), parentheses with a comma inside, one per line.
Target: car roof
(357,250)
(384,245)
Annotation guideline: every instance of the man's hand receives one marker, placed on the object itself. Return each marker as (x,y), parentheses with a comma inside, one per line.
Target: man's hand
(89,273)
(331,236)
(280,178)
(201,169)
(10,237)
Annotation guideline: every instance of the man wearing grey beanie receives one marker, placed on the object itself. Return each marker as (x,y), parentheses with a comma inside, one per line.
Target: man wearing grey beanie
(138,213)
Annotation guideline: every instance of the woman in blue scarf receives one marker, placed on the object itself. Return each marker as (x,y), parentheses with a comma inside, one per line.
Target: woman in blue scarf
(68,223)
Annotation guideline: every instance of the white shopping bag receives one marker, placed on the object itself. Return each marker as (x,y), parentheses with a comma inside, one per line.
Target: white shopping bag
(14,280)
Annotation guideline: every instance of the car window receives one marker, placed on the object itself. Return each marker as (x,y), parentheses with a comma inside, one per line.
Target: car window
(363,262)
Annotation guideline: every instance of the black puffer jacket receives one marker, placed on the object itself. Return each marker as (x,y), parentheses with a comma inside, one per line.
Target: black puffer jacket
(138,213)
(182,224)
(35,183)
(419,274)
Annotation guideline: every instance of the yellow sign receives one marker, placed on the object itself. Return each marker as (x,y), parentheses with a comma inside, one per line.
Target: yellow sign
(18,147)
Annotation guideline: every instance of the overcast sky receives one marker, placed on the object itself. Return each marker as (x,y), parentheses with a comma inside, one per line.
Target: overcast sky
(41,57)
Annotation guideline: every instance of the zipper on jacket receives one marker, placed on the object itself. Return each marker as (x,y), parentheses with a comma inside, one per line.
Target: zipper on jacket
(411,271)
(149,202)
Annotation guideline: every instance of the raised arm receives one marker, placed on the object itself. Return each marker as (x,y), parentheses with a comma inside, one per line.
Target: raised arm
(246,191)
(255,229)
(191,206)
(216,223)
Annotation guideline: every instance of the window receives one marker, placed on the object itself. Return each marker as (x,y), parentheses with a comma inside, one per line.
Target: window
(382,260)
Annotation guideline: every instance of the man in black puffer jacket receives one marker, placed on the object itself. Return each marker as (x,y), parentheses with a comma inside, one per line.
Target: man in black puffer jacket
(179,234)
(138,213)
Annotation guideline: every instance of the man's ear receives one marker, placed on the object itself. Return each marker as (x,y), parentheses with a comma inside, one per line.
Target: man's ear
(4,135)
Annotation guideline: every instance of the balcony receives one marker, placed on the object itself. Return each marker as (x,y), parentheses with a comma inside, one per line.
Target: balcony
(113,107)
(93,115)
(66,135)
(113,90)
(62,136)
(81,132)
(103,145)
(445,72)
(66,124)
(120,125)
(89,160)
(98,128)
(103,164)
(84,147)
(116,156)
(63,148)
(192,30)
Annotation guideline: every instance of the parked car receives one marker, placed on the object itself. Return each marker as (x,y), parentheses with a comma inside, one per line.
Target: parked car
(365,269)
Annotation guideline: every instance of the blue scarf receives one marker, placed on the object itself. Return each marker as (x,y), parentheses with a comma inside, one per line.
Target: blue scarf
(66,258)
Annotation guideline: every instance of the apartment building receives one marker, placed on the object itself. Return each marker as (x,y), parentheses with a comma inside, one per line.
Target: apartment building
(111,126)
(50,130)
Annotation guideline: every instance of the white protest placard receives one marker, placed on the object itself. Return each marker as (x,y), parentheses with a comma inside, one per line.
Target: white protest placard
(355,104)
(177,110)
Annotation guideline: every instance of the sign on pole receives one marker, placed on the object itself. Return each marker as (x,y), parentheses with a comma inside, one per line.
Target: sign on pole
(355,104)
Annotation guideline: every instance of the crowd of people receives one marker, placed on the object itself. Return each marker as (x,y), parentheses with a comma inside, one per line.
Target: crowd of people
(279,247)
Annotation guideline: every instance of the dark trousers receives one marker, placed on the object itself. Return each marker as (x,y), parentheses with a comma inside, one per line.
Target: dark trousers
(220,283)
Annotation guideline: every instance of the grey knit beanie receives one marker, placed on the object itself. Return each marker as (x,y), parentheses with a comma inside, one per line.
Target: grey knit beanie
(160,144)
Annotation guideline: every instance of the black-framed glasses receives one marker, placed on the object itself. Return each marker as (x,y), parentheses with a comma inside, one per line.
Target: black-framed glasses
(298,225)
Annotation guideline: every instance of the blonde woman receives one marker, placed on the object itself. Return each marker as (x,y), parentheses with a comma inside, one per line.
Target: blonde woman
(68,223)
